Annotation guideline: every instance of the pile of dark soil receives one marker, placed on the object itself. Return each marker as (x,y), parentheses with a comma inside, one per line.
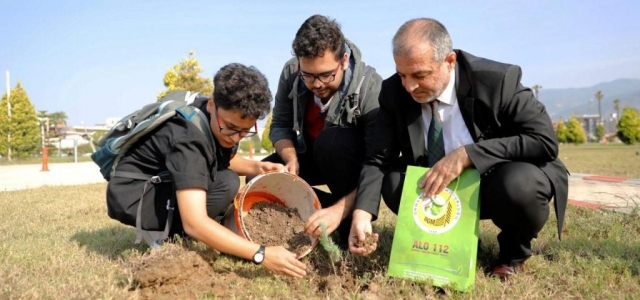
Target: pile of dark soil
(272,224)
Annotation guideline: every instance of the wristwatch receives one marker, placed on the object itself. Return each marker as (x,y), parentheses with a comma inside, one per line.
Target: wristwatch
(258,257)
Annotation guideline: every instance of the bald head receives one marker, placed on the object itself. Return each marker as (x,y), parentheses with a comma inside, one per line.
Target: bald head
(423,31)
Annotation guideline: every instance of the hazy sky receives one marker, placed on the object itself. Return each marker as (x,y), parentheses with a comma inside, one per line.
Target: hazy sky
(100,59)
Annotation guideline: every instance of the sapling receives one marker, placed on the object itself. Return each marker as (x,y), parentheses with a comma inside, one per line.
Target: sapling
(328,244)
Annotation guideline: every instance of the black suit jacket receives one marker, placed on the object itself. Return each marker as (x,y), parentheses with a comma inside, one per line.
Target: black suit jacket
(505,120)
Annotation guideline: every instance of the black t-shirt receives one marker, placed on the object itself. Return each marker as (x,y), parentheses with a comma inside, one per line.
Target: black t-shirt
(177,146)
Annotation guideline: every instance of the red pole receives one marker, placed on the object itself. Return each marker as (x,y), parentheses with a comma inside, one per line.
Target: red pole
(45,159)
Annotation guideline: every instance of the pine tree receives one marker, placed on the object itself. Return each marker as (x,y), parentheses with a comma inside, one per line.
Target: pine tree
(23,125)
(185,76)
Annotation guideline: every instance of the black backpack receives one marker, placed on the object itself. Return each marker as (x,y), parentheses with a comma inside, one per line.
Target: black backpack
(129,130)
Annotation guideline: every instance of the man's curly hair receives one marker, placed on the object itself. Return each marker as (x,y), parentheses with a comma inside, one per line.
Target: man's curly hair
(317,35)
(244,89)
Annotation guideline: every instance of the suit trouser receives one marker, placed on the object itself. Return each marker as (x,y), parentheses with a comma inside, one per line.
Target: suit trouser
(334,159)
(220,195)
(514,195)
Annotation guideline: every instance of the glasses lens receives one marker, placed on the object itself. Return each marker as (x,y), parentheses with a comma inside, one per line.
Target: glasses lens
(231,132)
(227,131)
(307,78)
(326,78)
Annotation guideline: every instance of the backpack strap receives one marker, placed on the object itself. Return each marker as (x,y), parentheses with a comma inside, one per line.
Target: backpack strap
(355,99)
(199,119)
(154,238)
(132,175)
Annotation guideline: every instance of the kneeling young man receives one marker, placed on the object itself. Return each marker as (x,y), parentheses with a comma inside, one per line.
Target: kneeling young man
(204,176)
(323,119)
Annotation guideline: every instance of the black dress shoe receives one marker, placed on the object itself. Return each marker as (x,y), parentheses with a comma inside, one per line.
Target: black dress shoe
(506,271)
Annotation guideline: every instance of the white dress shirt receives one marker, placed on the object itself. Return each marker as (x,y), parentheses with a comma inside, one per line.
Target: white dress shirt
(454,130)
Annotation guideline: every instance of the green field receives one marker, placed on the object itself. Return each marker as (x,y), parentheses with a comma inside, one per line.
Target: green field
(59,243)
(611,160)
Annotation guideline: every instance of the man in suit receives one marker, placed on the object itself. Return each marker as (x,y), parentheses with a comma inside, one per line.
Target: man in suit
(449,110)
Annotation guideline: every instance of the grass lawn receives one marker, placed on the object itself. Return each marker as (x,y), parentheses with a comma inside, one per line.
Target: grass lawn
(610,160)
(59,243)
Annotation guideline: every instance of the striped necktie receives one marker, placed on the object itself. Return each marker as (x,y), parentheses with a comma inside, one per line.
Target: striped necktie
(435,141)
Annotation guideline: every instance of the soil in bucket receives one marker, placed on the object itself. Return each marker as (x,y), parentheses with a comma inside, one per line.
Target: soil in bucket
(271,224)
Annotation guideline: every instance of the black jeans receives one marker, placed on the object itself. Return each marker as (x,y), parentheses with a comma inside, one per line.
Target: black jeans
(515,196)
(335,160)
(220,195)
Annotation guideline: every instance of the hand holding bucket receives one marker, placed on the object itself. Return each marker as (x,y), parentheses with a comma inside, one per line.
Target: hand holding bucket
(279,187)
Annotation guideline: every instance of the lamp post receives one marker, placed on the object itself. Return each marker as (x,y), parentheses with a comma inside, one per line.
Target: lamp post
(45,151)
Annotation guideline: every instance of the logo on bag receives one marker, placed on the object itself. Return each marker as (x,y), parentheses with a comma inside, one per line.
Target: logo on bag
(439,213)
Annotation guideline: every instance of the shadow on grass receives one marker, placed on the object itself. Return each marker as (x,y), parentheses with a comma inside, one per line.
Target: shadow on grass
(115,242)
(623,257)
(377,261)
(488,251)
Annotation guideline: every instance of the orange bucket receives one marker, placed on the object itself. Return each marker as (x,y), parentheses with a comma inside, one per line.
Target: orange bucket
(279,187)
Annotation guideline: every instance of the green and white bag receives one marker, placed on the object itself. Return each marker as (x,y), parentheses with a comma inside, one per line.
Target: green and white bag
(437,238)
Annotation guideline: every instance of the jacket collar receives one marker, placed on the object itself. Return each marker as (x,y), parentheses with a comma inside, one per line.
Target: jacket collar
(464,94)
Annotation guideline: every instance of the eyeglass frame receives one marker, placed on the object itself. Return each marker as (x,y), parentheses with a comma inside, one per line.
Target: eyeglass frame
(241,133)
(313,78)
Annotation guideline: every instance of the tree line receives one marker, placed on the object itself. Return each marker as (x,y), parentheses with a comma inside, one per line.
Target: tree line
(20,123)
(627,127)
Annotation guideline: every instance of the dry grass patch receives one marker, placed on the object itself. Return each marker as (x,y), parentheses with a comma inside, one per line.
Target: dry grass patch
(59,243)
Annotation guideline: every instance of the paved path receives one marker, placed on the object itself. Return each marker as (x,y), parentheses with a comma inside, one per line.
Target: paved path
(17,177)
(604,192)
(584,189)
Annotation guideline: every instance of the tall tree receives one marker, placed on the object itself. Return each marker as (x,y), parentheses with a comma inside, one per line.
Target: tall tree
(43,114)
(44,121)
(536,88)
(616,107)
(58,116)
(185,76)
(629,126)
(55,118)
(23,125)
(266,142)
(599,95)
(600,132)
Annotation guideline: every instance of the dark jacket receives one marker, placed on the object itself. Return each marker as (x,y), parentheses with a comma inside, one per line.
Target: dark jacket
(505,120)
(292,99)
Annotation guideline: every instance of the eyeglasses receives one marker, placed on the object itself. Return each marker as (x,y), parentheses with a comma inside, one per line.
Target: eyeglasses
(324,78)
(232,132)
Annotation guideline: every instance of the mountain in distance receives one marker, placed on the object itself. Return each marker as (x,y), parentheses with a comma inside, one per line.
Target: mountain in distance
(562,103)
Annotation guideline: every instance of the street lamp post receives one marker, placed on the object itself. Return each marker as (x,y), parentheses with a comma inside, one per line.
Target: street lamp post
(45,151)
